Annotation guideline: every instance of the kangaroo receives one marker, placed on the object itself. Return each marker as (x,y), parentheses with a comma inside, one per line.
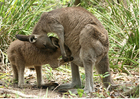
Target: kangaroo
(86,38)
(23,54)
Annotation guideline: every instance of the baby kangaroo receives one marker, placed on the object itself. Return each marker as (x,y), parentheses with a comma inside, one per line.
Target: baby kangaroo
(23,54)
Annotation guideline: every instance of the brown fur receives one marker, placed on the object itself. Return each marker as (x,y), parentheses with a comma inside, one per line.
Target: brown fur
(85,36)
(23,54)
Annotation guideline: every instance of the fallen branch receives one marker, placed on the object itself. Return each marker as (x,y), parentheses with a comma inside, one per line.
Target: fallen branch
(18,93)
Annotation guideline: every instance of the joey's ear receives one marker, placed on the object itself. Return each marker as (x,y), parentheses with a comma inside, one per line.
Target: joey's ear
(55,41)
(29,38)
(22,37)
(33,38)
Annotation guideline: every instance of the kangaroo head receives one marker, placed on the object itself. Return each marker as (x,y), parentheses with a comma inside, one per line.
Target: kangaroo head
(40,41)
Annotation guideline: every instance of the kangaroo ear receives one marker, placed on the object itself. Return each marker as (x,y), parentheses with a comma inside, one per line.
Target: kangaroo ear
(55,41)
(29,38)
(22,37)
(33,38)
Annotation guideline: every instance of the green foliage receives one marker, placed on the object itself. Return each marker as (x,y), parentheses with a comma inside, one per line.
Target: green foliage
(102,75)
(71,93)
(80,92)
(17,96)
(49,74)
(106,74)
(46,93)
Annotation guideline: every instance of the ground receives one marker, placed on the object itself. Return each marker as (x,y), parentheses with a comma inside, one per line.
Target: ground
(62,75)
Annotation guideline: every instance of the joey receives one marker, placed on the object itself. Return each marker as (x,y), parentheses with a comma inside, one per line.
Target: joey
(23,54)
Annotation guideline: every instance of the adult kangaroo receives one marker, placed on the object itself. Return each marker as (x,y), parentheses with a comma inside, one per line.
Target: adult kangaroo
(85,36)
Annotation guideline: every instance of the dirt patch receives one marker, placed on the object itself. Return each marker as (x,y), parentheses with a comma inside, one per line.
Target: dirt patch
(63,75)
